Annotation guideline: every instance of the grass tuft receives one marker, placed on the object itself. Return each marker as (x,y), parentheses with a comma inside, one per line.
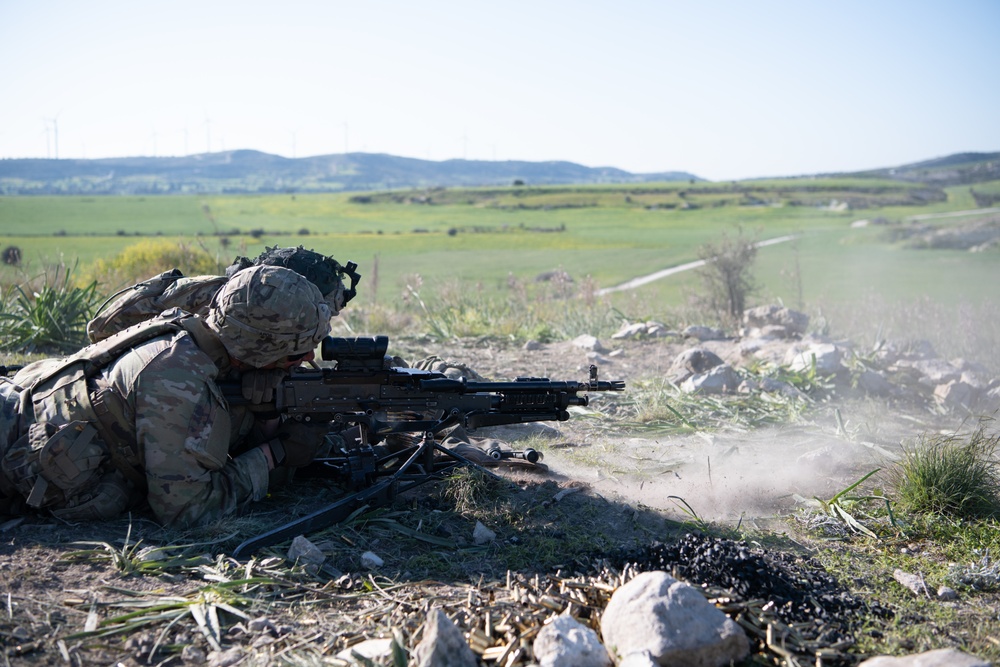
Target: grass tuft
(950,475)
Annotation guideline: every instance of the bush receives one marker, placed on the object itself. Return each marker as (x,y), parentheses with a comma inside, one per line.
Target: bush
(727,274)
(50,318)
(152,257)
(946,474)
(12,255)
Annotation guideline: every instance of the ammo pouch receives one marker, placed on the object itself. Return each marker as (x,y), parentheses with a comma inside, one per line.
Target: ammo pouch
(51,464)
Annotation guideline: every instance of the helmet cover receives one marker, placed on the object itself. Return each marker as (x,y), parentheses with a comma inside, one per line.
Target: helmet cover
(265,313)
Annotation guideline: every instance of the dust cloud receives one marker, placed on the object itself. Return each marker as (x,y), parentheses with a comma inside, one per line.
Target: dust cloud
(730,477)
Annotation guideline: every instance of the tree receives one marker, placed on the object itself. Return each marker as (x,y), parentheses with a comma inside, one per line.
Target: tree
(727,273)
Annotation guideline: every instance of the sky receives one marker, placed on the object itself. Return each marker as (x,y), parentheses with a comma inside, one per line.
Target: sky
(721,89)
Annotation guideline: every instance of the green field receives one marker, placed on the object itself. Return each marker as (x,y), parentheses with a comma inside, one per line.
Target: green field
(477,238)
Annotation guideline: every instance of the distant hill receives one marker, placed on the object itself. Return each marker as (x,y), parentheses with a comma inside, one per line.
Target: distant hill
(246,171)
(957,169)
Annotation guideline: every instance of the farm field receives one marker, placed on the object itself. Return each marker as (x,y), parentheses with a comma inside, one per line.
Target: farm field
(480,237)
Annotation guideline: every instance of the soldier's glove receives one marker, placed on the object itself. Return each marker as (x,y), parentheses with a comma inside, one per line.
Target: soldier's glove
(259,385)
(297,442)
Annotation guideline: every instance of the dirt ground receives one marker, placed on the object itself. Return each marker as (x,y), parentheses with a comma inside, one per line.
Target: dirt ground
(215,610)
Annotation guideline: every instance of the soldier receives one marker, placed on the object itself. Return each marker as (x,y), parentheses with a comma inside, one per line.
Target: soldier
(194,295)
(139,417)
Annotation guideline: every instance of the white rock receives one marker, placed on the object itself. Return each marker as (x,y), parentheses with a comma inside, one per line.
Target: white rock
(371,649)
(482,535)
(672,621)
(371,561)
(588,342)
(443,644)
(942,657)
(565,642)
(826,356)
(305,552)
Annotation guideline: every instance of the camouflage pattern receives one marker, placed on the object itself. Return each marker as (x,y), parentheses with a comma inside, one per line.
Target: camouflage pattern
(180,426)
(266,313)
(322,271)
(194,295)
(184,432)
(150,298)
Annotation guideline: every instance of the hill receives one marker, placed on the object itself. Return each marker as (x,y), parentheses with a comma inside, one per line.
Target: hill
(957,169)
(246,171)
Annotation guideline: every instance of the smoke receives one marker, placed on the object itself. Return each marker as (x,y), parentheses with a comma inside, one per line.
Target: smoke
(738,476)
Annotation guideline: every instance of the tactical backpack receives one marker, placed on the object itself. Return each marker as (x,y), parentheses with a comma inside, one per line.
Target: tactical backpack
(149,298)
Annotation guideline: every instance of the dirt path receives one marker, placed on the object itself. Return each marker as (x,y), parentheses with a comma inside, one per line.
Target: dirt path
(643,280)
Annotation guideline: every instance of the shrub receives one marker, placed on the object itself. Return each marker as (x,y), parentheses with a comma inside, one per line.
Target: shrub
(12,255)
(151,257)
(727,274)
(49,318)
(946,474)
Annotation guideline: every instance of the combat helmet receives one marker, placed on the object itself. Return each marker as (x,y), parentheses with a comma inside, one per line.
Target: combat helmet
(324,272)
(266,313)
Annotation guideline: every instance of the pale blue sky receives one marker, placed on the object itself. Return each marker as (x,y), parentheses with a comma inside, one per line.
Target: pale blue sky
(725,90)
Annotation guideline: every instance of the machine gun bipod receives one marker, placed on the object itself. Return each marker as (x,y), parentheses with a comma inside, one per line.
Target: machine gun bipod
(380,480)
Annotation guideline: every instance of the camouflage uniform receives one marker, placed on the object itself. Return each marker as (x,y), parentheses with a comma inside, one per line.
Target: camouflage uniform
(138,418)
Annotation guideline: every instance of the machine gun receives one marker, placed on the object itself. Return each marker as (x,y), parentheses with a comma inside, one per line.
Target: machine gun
(362,389)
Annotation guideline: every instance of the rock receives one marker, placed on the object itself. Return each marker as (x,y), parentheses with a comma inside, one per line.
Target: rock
(703,333)
(914,582)
(193,655)
(672,621)
(634,330)
(890,352)
(934,371)
(719,380)
(370,649)
(565,642)
(774,322)
(874,383)
(305,552)
(826,356)
(691,362)
(227,658)
(482,535)
(648,329)
(946,593)
(371,561)
(956,394)
(589,343)
(942,657)
(531,346)
(443,644)
(975,380)
(639,659)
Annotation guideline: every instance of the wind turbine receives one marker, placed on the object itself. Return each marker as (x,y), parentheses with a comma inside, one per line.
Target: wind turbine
(54,122)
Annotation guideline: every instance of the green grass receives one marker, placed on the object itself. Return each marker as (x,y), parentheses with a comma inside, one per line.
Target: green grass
(951,475)
(609,235)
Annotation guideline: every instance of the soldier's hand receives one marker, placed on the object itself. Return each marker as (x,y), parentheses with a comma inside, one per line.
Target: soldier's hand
(299,442)
(259,385)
